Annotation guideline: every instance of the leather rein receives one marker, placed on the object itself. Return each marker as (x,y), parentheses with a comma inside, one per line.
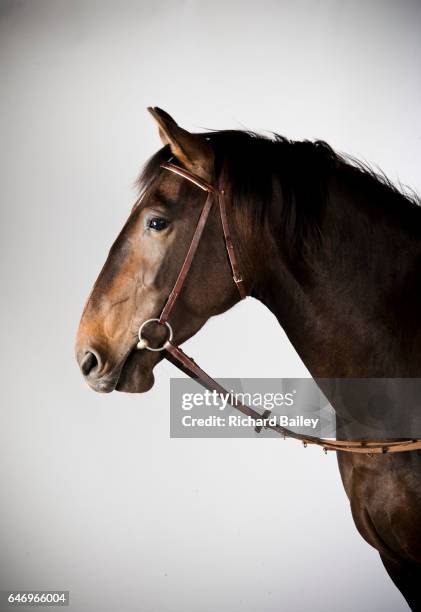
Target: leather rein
(187,364)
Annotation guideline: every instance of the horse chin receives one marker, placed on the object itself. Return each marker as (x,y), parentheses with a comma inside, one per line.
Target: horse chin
(136,375)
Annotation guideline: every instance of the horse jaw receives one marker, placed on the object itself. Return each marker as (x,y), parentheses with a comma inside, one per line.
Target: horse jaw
(136,375)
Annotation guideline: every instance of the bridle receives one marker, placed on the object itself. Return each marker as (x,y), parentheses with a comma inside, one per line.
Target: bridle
(187,364)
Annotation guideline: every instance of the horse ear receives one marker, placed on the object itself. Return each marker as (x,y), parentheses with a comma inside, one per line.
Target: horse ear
(192,150)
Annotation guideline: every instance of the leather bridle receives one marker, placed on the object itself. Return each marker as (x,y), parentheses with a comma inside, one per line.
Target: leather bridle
(187,364)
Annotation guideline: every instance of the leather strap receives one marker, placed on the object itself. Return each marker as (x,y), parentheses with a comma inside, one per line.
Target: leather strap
(185,362)
(187,261)
(220,195)
(229,246)
(193,178)
(367,447)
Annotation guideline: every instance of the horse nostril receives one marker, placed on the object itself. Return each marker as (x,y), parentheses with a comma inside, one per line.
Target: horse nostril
(88,363)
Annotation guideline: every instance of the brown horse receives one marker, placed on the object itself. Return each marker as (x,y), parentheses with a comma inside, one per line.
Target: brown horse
(333,250)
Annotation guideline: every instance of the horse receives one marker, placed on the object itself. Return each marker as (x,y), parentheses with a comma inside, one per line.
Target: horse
(331,247)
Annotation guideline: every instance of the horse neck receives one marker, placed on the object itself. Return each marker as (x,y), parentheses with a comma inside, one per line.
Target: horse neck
(350,307)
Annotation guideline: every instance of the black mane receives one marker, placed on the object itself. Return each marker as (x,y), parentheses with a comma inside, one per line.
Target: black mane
(265,170)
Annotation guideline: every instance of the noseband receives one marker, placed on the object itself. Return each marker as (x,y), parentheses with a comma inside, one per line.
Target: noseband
(187,364)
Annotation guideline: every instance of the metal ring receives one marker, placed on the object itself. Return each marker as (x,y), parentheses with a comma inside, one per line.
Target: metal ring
(170,333)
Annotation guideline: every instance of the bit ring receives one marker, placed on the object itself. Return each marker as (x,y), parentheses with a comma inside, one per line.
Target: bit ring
(143,343)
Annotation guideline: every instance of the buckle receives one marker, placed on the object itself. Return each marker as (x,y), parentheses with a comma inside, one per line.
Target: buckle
(264,416)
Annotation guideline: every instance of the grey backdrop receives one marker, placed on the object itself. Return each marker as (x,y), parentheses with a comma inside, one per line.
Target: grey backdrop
(95,496)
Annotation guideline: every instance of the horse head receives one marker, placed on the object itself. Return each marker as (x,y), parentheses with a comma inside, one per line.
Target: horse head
(144,262)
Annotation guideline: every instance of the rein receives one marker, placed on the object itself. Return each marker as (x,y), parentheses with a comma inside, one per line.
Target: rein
(187,364)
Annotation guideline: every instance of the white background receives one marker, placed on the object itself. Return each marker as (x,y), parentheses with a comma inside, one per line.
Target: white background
(95,496)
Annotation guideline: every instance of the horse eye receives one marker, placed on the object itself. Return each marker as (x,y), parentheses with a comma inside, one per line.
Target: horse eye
(157,223)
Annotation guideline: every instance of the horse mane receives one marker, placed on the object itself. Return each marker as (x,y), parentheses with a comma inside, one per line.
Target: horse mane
(272,178)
